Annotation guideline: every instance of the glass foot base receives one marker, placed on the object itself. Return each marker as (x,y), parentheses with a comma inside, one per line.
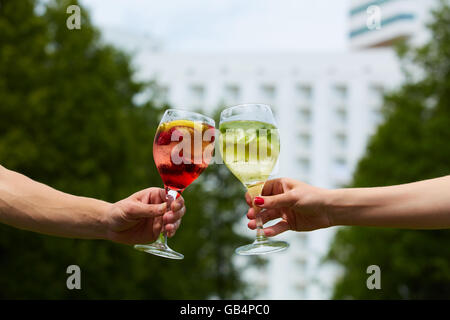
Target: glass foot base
(262,247)
(159,249)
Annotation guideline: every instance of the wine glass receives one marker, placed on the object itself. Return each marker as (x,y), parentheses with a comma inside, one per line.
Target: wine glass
(250,145)
(182,150)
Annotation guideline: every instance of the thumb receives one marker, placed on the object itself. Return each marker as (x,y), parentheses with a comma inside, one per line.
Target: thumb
(142,210)
(274,202)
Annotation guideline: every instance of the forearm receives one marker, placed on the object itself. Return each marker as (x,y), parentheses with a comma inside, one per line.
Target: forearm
(419,205)
(29,205)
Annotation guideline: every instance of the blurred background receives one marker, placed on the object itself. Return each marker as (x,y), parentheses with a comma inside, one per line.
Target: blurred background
(360,90)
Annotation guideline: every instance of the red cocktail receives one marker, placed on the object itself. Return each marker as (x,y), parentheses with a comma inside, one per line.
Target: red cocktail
(182,150)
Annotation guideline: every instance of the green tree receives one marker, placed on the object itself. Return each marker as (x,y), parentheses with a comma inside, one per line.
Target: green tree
(412,144)
(69,118)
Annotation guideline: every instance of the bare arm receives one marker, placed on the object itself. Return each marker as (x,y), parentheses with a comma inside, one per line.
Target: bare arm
(302,207)
(33,206)
(419,205)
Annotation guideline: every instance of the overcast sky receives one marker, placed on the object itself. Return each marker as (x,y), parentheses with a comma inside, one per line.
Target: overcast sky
(229,25)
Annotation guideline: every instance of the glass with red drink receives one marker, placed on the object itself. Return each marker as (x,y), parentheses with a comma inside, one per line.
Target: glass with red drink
(182,149)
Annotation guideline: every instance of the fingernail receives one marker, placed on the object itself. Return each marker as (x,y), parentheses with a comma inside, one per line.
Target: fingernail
(259,201)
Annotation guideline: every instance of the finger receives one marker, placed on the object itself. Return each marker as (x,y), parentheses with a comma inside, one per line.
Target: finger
(276,229)
(251,213)
(266,215)
(272,187)
(277,201)
(171,217)
(158,195)
(177,205)
(277,186)
(251,224)
(141,210)
(172,228)
(156,226)
(145,194)
(153,195)
(248,199)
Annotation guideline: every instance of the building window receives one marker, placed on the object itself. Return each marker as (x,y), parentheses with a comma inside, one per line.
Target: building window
(232,93)
(305,140)
(340,165)
(341,171)
(340,93)
(302,262)
(268,92)
(341,115)
(304,92)
(305,116)
(376,91)
(341,140)
(301,286)
(303,241)
(304,165)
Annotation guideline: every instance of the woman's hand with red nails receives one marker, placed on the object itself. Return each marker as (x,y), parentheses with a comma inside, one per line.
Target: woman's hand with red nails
(300,206)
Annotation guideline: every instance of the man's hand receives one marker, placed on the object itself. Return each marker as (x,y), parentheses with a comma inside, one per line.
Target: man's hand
(139,218)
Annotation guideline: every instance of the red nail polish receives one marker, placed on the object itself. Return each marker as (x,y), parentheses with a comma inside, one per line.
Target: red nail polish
(259,201)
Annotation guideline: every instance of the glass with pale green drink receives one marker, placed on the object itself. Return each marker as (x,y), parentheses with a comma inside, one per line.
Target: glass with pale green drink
(250,146)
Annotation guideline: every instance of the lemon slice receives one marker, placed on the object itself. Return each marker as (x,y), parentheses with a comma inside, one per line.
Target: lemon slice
(179,123)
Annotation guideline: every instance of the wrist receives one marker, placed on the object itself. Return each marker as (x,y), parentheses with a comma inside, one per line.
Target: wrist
(336,205)
(102,220)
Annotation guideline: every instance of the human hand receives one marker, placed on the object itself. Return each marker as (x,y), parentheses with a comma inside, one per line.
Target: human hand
(300,206)
(140,217)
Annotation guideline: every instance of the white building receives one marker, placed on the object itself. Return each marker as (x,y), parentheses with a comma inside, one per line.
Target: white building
(326,104)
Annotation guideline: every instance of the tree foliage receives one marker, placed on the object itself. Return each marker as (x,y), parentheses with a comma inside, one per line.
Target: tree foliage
(69,118)
(412,144)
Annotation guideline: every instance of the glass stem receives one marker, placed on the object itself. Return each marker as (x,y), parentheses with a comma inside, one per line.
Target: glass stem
(170,196)
(162,238)
(255,191)
(260,236)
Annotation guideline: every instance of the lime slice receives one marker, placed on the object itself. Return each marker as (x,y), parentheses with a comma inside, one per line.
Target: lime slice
(239,135)
(250,136)
(233,136)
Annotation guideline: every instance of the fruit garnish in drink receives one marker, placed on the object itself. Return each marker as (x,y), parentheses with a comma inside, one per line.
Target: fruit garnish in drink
(250,149)
(180,152)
